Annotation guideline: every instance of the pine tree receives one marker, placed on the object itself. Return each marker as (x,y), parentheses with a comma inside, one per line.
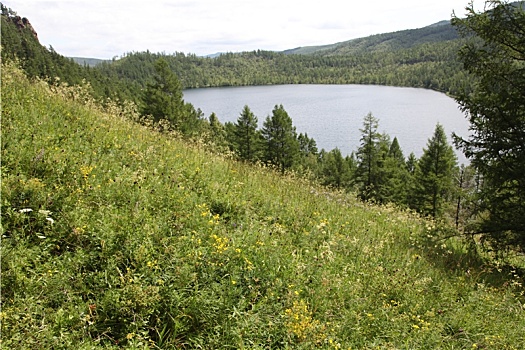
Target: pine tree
(217,131)
(281,144)
(163,97)
(308,154)
(434,175)
(246,138)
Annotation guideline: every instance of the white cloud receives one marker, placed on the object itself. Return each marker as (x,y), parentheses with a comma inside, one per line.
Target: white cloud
(104,29)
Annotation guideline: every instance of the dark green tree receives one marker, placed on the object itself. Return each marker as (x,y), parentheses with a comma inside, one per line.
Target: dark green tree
(336,170)
(495,56)
(434,176)
(217,132)
(246,137)
(163,97)
(396,176)
(368,172)
(308,155)
(280,136)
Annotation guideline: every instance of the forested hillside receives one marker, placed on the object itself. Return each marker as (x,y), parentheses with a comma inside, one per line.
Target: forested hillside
(423,57)
(405,39)
(419,58)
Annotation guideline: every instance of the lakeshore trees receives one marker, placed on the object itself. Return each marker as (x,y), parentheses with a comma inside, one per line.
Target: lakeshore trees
(281,144)
(434,175)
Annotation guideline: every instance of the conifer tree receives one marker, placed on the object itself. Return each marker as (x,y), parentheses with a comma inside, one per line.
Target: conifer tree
(434,176)
(281,144)
(246,137)
(336,170)
(217,131)
(163,97)
(308,154)
(396,175)
(368,169)
(494,55)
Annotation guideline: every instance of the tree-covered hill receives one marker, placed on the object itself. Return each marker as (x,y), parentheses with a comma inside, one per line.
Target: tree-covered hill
(423,57)
(405,39)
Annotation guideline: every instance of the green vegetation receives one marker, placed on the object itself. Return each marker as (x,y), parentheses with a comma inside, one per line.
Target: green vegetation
(128,224)
(495,55)
(116,235)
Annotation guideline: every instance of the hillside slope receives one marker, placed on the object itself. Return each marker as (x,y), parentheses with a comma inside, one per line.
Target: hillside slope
(405,39)
(118,236)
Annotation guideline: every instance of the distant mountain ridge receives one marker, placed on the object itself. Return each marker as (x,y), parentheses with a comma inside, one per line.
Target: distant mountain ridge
(404,39)
(440,31)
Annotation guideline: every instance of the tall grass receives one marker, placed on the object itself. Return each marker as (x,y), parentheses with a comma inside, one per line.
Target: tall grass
(115,235)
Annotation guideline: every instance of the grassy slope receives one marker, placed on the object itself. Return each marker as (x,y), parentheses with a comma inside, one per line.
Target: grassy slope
(155,243)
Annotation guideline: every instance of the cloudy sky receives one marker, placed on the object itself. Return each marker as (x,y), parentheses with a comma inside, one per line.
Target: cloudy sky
(109,28)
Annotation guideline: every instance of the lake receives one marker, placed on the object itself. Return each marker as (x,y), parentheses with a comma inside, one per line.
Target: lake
(333,114)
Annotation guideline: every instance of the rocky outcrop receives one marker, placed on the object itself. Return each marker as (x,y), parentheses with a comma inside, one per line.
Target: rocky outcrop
(23,23)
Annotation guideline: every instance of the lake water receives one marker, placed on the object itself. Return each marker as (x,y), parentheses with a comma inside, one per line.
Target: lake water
(333,114)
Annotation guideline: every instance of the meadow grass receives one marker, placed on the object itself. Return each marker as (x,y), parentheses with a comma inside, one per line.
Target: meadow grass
(115,235)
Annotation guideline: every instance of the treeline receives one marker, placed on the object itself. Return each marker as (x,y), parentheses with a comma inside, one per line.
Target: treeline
(427,63)
(431,66)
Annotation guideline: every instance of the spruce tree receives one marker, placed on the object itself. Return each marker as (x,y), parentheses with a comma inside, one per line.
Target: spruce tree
(246,138)
(280,136)
(396,175)
(163,97)
(494,55)
(434,176)
(336,170)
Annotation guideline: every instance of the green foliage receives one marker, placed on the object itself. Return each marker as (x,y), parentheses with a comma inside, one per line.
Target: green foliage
(337,171)
(397,177)
(434,175)
(246,138)
(138,239)
(494,56)
(163,98)
(281,144)
(369,155)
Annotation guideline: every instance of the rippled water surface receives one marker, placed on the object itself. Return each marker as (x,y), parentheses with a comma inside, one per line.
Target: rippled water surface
(333,114)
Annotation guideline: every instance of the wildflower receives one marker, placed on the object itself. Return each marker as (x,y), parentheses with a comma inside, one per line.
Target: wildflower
(25,210)
(50,220)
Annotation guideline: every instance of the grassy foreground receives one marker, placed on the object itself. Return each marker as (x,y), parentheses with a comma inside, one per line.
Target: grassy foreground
(114,235)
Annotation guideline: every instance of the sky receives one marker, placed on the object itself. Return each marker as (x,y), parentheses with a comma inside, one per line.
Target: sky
(111,28)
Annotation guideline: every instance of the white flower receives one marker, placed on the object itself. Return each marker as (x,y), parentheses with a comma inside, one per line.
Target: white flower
(50,220)
(26,210)
(44,212)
